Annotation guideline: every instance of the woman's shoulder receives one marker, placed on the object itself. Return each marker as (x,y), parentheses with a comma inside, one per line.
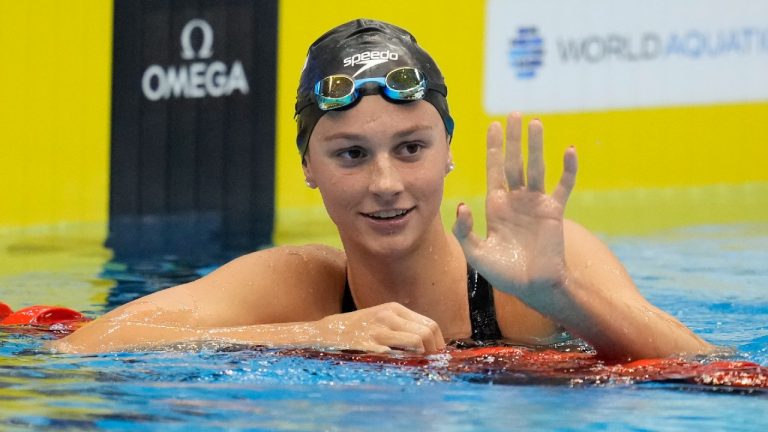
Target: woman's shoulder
(293,267)
(309,258)
(582,244)
(279,284)
(289,266)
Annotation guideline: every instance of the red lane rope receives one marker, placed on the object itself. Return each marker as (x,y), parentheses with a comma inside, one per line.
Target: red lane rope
(42,316)
(533,365)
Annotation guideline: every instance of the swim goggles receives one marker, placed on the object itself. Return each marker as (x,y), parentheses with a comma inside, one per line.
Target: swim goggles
(401,84)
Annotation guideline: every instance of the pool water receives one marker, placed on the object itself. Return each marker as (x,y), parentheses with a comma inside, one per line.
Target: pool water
(713,278)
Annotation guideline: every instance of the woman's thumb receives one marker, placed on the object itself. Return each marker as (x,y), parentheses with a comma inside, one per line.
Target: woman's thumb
(462,229)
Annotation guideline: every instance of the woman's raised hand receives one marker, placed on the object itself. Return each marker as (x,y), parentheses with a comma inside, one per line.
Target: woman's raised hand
(380,329)
(523,253)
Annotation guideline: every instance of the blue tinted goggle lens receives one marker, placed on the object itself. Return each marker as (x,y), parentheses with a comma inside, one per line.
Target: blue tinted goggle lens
(337,91)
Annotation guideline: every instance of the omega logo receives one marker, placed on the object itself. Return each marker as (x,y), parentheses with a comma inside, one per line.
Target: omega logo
(187,52)
(194,79)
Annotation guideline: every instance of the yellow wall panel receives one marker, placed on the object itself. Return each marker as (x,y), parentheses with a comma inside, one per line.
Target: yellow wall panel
(54,115)
(55,109)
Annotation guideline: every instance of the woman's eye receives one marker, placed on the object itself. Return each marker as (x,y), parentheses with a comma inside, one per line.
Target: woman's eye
(411,149)
(351,154)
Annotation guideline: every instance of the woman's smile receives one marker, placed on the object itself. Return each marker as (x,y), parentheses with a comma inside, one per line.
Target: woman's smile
(388,214)
(389,222)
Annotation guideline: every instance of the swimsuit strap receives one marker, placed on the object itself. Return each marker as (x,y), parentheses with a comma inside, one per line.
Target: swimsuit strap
(482,312)
(347,302)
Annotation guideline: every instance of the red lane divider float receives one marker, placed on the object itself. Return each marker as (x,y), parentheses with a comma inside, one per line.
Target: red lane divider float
(5,310)
(54,318)
(498,364)
(521,365)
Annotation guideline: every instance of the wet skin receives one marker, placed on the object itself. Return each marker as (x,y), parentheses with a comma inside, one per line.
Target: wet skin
(380,169)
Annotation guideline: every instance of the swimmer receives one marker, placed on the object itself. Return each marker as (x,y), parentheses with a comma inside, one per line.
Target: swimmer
(374,136)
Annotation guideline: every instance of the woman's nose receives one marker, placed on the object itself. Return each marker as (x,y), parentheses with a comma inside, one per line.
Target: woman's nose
(385,178)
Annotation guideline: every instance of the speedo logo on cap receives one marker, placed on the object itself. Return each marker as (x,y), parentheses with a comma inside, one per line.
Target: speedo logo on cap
(369,59)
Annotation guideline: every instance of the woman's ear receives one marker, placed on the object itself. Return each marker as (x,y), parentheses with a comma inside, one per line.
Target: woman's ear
(449,166)
(308,179)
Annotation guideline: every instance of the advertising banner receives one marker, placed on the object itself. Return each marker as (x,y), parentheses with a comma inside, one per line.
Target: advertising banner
(559,56)
(193,124)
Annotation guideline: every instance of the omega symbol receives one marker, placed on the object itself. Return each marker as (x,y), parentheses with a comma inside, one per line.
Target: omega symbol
(187,51)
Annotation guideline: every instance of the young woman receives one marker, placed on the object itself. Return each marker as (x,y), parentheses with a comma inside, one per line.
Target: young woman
(374,136)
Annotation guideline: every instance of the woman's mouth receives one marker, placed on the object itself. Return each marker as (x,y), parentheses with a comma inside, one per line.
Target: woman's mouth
(390,221)
(388,214)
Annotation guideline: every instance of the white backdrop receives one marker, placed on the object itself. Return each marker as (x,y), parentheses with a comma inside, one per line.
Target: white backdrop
(555,56)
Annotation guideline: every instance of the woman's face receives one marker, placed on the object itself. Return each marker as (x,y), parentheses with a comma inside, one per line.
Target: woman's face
(380,169)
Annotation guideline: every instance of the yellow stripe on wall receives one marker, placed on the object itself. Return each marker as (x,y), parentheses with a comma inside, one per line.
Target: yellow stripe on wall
(657,152)
(54,111)
(55,100)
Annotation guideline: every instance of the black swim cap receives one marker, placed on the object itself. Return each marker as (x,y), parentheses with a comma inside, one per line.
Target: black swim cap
(364,49)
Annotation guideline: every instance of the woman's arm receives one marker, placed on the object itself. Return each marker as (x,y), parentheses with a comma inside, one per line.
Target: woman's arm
(377,329)
(220,306)
(117,334)
(558,268)
(602,305)
(282,297)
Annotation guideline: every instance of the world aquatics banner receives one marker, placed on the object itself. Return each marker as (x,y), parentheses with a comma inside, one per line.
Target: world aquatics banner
(556,56)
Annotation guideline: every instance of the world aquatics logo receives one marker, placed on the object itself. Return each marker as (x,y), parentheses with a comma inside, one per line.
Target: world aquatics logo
(526,52)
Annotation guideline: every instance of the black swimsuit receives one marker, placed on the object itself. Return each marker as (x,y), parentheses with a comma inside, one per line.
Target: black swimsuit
(482,313)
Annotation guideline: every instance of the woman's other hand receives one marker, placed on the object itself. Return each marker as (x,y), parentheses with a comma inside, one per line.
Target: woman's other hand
(380,329)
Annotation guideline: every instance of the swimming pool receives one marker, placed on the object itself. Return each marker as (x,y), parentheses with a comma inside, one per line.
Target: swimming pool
(713,278)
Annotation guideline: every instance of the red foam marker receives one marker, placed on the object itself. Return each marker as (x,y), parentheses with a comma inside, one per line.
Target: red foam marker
(5,310)
(41,315)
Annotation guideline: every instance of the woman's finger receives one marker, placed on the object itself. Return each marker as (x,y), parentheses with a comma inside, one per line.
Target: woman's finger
(462,229)
(406,320)
(397,339)
(415,327)
(437,334)
(513,161)
(535,156)
(494,158)
(377,348)
(568,178)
